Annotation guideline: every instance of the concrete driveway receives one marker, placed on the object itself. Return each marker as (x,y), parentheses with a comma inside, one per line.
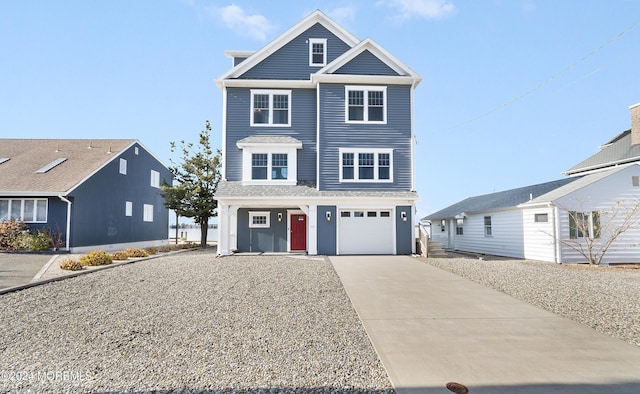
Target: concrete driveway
(431,327)
(20,268)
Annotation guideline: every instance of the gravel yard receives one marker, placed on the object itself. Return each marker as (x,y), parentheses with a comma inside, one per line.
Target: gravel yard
(606,299)
(189,322)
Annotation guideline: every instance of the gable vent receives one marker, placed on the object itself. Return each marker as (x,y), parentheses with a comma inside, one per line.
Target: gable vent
(51,165)
(3,159)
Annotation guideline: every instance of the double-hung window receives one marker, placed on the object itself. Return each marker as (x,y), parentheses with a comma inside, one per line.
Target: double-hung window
(366,165)
(366,104)
(269,166)
(269,160)
(270,107)
(488,231)
(318,52)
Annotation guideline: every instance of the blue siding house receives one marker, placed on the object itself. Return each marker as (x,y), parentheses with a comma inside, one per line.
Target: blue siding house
(94,193)
(317,146)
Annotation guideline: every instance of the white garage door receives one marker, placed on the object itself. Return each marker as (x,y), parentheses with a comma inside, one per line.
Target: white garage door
(365,231)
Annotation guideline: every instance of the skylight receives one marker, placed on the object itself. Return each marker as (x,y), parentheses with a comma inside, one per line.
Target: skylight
(3,159)
(51,165)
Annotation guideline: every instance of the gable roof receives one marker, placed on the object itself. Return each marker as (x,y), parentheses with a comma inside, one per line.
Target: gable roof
(370,45)
(617,151)
(499,200)
(280,41)
(579,183)
(26,172)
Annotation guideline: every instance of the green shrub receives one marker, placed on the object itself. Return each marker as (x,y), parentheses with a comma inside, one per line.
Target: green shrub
(10,232)
(136,252)
(119,255)
(95,258)
(71,265)
(34,240)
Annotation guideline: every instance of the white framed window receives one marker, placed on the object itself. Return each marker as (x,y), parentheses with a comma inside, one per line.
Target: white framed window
(148,213)
(584,225)
(259,219)
(365,104)
(24,210)
(488,230)
(270,107)
(541,218)
(136,151)
(318,52)
(155,179)
(128,208)
(366,165)
(123,166)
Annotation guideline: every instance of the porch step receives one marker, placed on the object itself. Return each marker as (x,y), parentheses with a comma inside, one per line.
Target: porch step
(436,250)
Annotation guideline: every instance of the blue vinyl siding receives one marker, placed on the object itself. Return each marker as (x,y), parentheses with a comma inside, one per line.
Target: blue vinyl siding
(271,239)
(327,230)
(292,60)
(98,209)
(335,133)
(303,128)
(404,231)
(366,63)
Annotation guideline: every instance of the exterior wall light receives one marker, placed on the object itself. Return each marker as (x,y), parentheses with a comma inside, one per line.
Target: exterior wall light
(279,216)
(328,215)
(403,215)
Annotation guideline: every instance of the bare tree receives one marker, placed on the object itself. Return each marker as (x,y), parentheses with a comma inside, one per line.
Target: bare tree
(592,232)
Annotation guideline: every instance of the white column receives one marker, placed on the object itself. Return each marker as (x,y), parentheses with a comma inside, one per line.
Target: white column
(312,234)
(223,230)
(233,227)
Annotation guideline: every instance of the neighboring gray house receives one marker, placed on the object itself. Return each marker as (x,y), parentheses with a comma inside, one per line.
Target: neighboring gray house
(533,222)
(317,146)
(95,193)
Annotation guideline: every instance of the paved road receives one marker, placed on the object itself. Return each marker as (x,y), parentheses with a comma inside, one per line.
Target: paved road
(19,268)
(431,327)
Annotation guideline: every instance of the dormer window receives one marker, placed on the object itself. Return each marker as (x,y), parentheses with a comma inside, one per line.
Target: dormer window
(318,52)
(269,160)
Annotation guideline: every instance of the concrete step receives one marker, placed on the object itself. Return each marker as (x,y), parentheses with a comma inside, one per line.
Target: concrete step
(436,250)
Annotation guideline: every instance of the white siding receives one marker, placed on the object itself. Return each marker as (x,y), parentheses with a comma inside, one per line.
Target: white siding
(437,235)
(507,236)
(602,195)
(539,237)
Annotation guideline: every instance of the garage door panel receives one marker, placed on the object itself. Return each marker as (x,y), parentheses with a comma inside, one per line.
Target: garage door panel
(360,232)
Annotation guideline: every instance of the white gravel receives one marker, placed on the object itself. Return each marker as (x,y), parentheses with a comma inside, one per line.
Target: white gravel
(189,322)
(606,299)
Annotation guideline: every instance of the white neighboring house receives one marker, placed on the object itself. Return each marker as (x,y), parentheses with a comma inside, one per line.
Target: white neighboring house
(191,232)
(531,222)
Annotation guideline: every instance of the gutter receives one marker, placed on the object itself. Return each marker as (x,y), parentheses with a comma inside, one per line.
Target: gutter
(68,235)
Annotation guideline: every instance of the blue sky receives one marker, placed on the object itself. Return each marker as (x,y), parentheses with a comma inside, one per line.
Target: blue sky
(514,91)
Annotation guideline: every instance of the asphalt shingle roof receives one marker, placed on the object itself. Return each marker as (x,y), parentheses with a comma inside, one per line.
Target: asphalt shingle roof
(19,175)
(618,150)
(235,189)
(499,200)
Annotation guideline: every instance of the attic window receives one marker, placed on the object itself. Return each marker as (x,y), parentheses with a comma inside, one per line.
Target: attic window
(318,52)
(3,159)
(51,165)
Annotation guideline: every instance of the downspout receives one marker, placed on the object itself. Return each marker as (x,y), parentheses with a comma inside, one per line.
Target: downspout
(68,235)
(556,234)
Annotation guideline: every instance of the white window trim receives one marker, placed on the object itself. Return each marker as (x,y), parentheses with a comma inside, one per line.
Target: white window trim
(21,201)
(292,160)
(128,208)
(271,93)
(355,152)
(252,214)
(147,215)
(123,166)
(366,90)
(322,41)
(155,179)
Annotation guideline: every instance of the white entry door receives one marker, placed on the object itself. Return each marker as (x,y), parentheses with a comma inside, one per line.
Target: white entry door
(365,231)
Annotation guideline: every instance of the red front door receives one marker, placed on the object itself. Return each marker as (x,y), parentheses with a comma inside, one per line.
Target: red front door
(298,232)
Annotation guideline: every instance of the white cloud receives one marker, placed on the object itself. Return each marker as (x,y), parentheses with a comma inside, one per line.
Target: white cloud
(342,14)
(429,9)
(236,19)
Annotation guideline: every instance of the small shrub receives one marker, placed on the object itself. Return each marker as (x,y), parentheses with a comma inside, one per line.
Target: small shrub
(71,265)
(119,255)
(136,252)
(10,231)
(35,240)
(151,250)
(95,258)
(165,249)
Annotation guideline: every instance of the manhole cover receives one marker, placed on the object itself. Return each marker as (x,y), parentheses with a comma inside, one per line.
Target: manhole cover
(457,388)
